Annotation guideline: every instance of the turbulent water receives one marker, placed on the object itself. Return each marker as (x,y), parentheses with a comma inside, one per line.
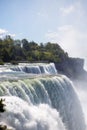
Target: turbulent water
(37,98)
(35,68)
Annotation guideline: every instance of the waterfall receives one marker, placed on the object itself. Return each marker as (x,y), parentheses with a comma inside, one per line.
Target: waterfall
(40,102)
(38,68)
(56,91)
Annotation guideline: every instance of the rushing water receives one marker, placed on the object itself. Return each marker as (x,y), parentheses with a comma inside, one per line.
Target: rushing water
(39,99)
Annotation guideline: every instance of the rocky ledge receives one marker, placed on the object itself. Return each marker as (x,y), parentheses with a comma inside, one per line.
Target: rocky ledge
(72,68)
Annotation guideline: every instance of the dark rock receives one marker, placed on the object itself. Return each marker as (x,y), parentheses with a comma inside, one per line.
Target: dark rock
(72,67)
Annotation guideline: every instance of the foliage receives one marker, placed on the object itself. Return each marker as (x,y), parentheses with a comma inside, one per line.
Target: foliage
(1,62)
(23,50)
(2,109)
(4,127)
(2,105)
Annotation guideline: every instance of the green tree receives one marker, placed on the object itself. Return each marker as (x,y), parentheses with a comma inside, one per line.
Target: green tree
(5,55)
(2,109)
(2,105)
(25,45)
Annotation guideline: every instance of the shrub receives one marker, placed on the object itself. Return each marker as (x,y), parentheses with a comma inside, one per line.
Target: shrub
(1,62)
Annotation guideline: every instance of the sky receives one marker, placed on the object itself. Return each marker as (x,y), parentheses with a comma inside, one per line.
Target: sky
(58,21)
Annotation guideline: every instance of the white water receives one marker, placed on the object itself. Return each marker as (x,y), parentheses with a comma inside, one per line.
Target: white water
(22,116)
(36,68)
(22,70)
(40,102)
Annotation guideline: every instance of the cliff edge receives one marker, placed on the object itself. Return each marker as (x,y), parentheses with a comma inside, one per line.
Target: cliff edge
(72,68)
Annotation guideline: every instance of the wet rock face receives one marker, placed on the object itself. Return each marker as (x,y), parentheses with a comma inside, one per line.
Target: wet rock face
(72,67)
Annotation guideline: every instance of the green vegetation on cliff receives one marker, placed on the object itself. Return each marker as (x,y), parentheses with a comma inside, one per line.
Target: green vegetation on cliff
(23,50)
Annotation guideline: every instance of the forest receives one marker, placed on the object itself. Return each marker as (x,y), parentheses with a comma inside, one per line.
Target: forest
(15,51)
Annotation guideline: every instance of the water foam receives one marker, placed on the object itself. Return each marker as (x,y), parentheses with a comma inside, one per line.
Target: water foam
(40,68)
(20,115)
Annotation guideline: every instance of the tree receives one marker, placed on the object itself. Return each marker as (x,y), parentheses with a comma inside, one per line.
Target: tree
(5,55)
(2,109)
(11,50)
(8,40)
(33,45)
(2,105)
(25,44)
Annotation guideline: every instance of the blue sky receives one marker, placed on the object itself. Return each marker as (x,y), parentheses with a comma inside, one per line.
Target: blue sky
(61,21)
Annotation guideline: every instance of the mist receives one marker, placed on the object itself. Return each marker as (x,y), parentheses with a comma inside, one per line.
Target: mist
(72,40)
(81,90)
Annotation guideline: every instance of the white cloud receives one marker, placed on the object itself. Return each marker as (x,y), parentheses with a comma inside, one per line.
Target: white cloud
(65,28)
(42,14)
(52,35)
(3,31)
(72,40)
(75,8)
(67,10)
(12,35)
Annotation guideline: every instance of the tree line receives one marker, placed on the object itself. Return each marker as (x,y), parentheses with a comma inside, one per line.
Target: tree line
(23,50)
